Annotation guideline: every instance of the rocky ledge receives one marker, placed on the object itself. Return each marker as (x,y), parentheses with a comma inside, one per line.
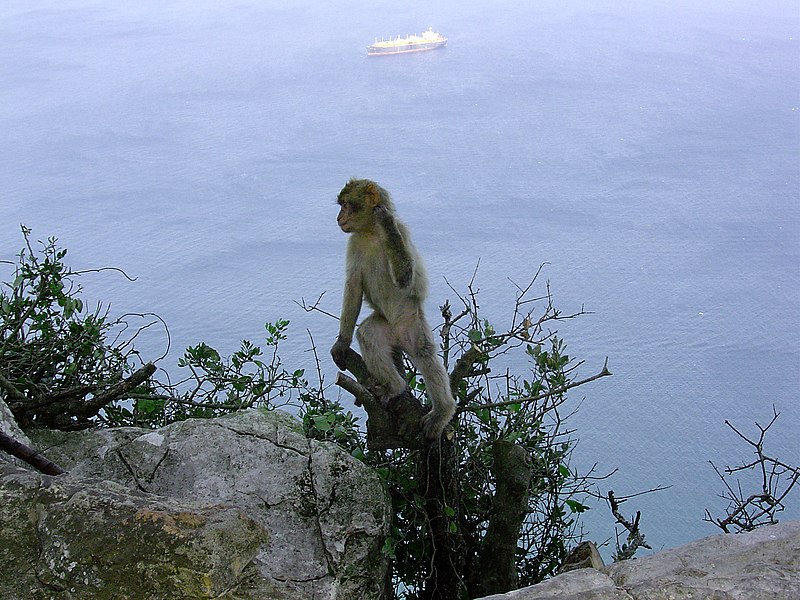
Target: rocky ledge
(760,565)
(242,507)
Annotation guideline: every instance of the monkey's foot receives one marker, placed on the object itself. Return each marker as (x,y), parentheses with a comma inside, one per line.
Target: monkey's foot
(435,421)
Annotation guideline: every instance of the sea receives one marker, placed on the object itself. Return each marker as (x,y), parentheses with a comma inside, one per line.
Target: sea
(644,154)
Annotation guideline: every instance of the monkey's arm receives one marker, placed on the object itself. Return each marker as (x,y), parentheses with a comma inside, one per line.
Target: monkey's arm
(400,257)
(351,307)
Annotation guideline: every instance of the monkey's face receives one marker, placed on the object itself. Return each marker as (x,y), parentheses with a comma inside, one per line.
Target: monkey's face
(356,201)
(353,216)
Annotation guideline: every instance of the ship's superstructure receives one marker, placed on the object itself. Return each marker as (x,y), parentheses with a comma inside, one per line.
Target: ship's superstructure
(428,40)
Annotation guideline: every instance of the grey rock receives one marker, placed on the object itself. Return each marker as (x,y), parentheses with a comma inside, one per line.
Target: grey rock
(759,565)
(67,538)
(316,518)
(583,584)
(8,425)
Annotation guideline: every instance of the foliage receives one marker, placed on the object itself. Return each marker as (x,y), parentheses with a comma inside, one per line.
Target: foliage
(64,366)
(55,353)
(50,344)
(215,385)
(525,410)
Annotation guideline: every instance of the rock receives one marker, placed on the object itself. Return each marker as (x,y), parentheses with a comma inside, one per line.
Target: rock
(67,538)
(759,565)
(8,425)
(243,507)
(582,556)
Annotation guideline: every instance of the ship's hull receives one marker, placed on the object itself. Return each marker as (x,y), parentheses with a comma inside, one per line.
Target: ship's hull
(376,50)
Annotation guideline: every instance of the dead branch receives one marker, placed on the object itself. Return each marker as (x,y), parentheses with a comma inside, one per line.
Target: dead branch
(29,455)
(759,508)
(118,390)
(635,537)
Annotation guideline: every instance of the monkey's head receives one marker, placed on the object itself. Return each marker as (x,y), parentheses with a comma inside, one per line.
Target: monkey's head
(357,201)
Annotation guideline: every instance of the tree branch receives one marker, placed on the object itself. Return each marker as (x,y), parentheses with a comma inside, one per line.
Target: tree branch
(603,373)
(118,390)
(395,424)
(11,390)
(29,455)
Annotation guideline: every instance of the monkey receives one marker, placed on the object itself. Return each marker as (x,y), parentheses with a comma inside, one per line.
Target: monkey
(384,268)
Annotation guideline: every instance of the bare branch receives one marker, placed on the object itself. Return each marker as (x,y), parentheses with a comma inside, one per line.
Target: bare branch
(29,455)
(603,373)
(635,537)
(747,512)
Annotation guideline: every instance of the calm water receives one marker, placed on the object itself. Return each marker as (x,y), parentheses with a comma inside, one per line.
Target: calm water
(647,150)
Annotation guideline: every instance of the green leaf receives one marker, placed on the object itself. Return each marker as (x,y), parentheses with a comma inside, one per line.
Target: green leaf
(576,506)
(323,422)
(388,547)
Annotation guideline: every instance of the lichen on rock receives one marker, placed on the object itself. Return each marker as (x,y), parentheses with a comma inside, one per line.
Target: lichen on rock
(238,507)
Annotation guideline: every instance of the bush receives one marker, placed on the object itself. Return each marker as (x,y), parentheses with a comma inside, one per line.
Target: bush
(494,505)
(61,363)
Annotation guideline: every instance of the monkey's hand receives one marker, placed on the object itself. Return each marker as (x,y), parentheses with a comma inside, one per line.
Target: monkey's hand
(339,352)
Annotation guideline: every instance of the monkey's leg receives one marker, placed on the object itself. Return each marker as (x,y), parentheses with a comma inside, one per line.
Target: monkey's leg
(377,343)
(421,349)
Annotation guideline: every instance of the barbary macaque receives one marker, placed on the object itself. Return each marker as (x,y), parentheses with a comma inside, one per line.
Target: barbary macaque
(384,268)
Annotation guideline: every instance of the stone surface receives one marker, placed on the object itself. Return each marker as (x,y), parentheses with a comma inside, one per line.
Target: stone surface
(254,508)
(760,565)
(67,538)
(9,426)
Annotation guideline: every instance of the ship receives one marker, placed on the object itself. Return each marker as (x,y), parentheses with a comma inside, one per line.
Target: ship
(427,40)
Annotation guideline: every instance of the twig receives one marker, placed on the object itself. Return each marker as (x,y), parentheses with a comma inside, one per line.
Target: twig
(604,373)
(315,307)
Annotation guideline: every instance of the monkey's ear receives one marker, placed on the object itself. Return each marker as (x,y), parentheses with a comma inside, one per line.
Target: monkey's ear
(373,195)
